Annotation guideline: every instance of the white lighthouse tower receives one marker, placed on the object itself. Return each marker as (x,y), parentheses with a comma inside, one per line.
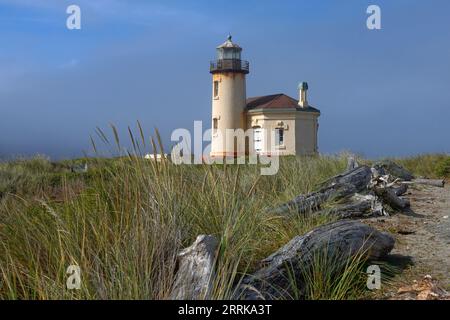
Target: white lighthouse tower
(228,99)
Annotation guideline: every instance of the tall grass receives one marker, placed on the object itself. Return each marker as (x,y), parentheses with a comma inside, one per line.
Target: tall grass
(428,165)
(125,221)
(332,278)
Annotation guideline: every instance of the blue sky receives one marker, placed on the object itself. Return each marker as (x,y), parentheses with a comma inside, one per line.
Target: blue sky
(381,93)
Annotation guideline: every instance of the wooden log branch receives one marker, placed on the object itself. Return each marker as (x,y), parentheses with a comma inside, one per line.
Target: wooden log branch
(312,202)
(351,163)
(195,271)
(430,182)
(389,167)
(390,197)
(400,190)
(359,177)
(359,206)
(384,181)
(352,210)
(283,273)
(339,187)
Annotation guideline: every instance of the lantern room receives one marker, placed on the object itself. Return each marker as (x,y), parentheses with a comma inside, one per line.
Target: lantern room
(229,59)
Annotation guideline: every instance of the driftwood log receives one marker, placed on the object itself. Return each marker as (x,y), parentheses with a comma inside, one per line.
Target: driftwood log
(196,269)
(400,190)
(430,182)
(283,273)
(358,192)
(352,163)
(336,188)
(390,197)
(389,167)
(358,206)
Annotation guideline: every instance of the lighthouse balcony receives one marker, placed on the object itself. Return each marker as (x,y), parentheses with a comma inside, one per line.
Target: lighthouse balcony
(229,65)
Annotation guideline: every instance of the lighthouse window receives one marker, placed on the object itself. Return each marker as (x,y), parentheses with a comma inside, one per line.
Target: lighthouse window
(279,137)
(215,121)
(216,89)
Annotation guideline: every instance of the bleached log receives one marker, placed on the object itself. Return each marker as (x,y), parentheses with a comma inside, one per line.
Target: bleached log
(196,270)
(359,206)
(352,210)
(389,167)
(430,182)
(312,202)
(343,188)
(389,196)
(358,177)
(283,273)
(339,187)
(400,190)
(351,163)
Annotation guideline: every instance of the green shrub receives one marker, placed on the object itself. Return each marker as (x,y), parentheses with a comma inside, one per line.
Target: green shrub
(443,168)
(423,165)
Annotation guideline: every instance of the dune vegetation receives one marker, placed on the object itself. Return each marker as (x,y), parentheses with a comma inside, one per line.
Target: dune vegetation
(125,219)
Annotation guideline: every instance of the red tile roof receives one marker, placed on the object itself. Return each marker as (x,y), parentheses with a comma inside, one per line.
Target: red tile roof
(276,101)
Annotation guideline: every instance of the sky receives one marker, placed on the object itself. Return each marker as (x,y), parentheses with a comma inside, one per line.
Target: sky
(381,92)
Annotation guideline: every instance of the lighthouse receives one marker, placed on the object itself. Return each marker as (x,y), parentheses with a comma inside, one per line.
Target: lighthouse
(228,98)
(274,124)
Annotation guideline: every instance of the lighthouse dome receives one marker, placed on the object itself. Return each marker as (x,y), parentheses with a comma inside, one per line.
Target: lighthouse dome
(229,44)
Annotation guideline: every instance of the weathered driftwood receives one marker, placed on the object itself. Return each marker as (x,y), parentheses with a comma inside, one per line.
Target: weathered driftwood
(430,182)
(358,177)
(359,206)
(352,163)
(283,273)
(358,192)
(196,269)
(389,167)
(312,202)
(352,210)
(390,197)
(339,187)
(400,190)
(385,188)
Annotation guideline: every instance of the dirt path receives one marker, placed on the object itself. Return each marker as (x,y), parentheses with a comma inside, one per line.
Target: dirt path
(423,235)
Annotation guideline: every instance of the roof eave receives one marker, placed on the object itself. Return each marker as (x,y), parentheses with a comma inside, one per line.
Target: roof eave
(282,110)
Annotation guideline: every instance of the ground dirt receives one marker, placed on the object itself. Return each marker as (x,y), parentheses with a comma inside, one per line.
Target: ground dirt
(422,247)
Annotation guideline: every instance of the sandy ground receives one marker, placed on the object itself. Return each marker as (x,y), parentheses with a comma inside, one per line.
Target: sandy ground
(422,238)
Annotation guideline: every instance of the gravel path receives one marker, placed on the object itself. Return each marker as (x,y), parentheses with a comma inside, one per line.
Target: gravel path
(423,234)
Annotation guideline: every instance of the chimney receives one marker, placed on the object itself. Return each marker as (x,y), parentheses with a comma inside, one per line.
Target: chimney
(303,101)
